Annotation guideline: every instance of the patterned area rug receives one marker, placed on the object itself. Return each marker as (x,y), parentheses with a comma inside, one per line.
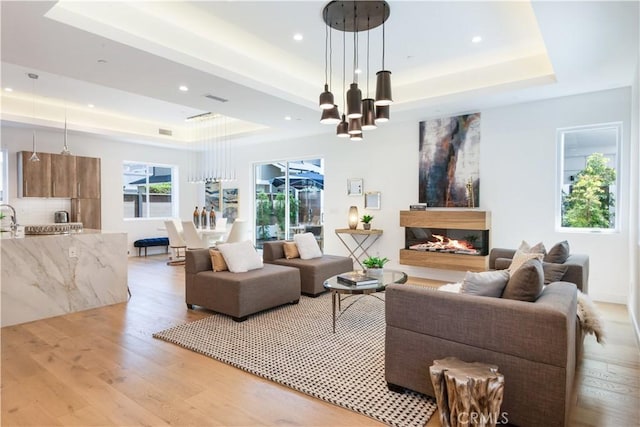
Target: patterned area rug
(293,345)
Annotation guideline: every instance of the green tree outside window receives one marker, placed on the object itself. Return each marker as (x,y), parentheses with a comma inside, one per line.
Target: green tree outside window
(264,210)
(590,204)
(280,209)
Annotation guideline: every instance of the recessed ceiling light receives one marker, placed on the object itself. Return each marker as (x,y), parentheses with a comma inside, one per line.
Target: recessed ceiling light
(287,117)
(90,105)
(102,61)
(8,89)
(476,39)
(183,88)
(297,37)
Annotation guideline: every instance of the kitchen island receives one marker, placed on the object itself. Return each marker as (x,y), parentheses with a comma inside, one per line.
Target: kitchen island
(49,275)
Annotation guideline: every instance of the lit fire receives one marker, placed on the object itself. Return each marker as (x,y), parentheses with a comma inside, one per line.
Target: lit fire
(443,243)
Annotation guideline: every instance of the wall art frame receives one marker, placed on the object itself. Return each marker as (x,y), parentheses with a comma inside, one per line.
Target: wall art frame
(355,186)
(372,200)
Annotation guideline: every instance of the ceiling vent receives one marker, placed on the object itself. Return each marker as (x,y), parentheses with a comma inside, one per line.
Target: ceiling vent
(215,98)
(166,132)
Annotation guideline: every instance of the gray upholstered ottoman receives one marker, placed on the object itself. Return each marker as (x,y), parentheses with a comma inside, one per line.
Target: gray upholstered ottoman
(238,294)
(313,272)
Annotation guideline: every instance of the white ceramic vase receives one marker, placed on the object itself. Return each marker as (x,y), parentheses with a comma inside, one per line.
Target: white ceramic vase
(374,272)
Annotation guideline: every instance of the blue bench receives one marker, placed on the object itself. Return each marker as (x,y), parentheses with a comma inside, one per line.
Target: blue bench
(153,241)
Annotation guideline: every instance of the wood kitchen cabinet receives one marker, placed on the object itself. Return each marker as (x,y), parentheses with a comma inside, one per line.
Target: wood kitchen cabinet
(87,211)
(88,177)
(57,175)
(34,178)
(63,176)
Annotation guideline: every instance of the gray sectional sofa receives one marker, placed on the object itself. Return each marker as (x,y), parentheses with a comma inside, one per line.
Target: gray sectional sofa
(313,272)
(536,345)
(238,294)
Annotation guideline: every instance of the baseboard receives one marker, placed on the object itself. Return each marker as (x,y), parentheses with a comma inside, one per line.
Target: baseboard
(611,298)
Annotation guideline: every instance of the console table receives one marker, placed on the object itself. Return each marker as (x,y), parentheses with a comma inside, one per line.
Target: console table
(362,245)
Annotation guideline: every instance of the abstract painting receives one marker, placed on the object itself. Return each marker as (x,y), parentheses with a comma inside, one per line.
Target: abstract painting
(449,174)
(212,195)
(230,204)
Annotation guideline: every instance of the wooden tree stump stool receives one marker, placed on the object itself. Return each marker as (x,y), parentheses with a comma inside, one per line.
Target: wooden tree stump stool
(468,394)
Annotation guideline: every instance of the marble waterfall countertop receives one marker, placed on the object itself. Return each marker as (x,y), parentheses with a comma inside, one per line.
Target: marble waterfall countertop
(49,275)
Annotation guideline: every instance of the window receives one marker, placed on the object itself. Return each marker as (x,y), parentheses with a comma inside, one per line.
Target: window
(289,199)
(589,165)
(148,190)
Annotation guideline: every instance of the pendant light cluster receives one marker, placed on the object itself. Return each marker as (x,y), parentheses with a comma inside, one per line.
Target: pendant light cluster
(213,157)
(358,114)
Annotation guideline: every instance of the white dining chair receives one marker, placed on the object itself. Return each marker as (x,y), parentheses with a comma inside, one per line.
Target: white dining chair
(176,243)
(191,236)
(221,224)
(238,231)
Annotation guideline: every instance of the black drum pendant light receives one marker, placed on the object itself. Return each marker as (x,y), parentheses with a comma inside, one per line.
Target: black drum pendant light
(330,116)
(326,97)
(382,113)
(359,114)
(342,129)
(368,105)
(383,83)
(355,126)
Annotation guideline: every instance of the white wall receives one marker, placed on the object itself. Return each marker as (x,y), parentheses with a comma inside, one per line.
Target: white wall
(518,163)
(112,153)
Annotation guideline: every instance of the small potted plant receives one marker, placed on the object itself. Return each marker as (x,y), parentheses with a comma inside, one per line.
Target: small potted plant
(374,265)
(366,221)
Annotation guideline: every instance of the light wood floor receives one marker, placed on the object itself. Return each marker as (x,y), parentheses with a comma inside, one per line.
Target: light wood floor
(102,367)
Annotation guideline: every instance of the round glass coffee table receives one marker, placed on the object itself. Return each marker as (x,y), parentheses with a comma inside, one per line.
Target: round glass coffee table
(338,288)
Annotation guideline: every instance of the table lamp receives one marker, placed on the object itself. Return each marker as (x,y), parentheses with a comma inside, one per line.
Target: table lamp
(353,217)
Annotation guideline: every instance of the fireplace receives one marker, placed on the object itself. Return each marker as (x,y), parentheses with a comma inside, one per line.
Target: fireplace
(453,239)
(450,241)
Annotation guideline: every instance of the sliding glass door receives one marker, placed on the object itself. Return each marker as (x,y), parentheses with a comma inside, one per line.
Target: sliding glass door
(289,199)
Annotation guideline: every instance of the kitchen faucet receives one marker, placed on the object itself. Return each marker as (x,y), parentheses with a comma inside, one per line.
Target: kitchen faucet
(14,220)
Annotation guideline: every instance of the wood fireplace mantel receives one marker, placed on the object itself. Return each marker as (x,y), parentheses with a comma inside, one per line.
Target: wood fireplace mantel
(466,219)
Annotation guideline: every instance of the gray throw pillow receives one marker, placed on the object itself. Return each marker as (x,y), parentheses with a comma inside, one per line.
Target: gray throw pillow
(558,254)
(553,272)
(485,284)
(526,282)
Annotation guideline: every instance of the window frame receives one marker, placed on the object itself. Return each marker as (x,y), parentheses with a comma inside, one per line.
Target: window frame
(560,169)
(174,190)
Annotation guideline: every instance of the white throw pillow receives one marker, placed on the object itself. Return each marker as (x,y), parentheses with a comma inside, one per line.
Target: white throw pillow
(307,246)
(520,258)
(240,256)
(538,248)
